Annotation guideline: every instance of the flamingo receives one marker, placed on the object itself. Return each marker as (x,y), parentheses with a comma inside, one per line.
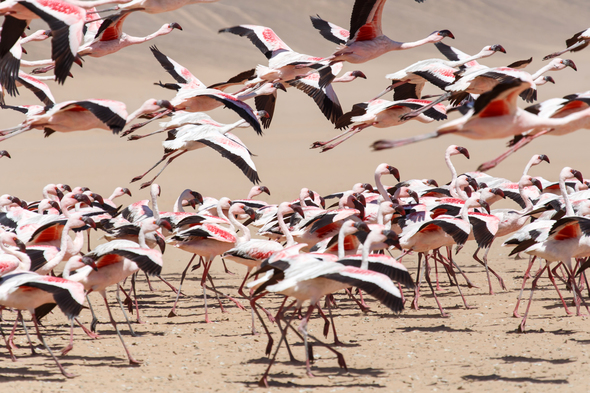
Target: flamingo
(380,114)
(65,20)
(310,277)
(578,42)
(110,38)
(192,137)
(28,290)
(365,38)
(71,116)
(541,239)
(495,115)
(439,72)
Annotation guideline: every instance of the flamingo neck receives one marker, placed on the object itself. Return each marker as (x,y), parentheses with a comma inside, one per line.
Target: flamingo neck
(451,167)
(178,204)
(384,194)
(569,210)
(247,236)
(410,45)
(369,241)
(155,204)
(285,229)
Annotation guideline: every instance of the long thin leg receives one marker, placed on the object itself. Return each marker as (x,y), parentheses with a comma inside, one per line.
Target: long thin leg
(149,183)
(85,329)
(136,137)
(40,336)
(336,340)
(263,381)
(176,292)
(133,277)
(521,327)
(418,281)
(523,142)
(567,311)
(526,275)
(124,313)
(70,345)
(427,276)
(137,126)
(149,283)
(7,346)
(152,168)
(172,312)
(129,356)
(22,320)
(94,318)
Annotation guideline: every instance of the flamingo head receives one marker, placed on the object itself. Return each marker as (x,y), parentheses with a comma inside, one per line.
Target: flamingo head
(198,197)
(361,226)
(440,34)
(495,48)
(454,149)
(391,239)
(88,221)
(163,223)
(89,262)
(358,74)
(560,64)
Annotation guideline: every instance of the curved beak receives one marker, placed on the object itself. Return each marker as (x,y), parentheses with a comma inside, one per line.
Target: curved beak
(361,226)
(197,196)
(175,25)
(265,189)
(569,63)
(484,205)
(165,104)
(414,195)
(578,175)
(463,151)
(89,262)
(498,48)
(163,223)
(446,33)
(4,153)
(89,221)
(126,191)
(497,191)
(250,212)
(161,243)
(432,182)
(392,239)
(358,74)
(279,86)
(543,157)
(537,183)
(297,209)
(393,171)
(21,246)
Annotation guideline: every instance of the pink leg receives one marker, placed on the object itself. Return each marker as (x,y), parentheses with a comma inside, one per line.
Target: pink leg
(526,275)
(7,346)
(63,371)
(567,311)
(129,356)
(521,327)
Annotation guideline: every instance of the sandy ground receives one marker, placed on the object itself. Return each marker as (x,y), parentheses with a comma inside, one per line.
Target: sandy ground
(473,349)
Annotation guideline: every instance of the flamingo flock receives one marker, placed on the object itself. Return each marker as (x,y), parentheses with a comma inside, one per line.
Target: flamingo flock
(299,250)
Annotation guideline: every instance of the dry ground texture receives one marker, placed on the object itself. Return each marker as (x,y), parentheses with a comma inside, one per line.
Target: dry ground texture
(474,349)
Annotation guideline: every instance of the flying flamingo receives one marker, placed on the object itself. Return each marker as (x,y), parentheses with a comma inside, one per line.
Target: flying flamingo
(71,116)
(192,137)
(365,39)
(578,42)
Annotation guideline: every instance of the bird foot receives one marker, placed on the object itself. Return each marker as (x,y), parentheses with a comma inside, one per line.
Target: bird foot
(315,145)
(66,350)
(136,178)
(134,137)
(172,313)
(515,314)
(146,184)
(327,148)
(263,382)
(93,324)
(132,361)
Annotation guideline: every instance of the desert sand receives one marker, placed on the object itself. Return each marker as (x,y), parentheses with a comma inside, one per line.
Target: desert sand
(477,349)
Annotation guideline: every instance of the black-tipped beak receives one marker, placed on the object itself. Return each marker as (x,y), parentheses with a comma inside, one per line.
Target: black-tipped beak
(569,63)
(89,262)
(265,189)
(432,182)
(473,183)
(263,115)
(549,79)
(391,239)
(393,171)
(21,246)
(67,188)
(250,212)
(368,187)
(484,205)
(400,209)
(463,151)
(537,183)
(498,48)
(175,25)
(358,74)
(97,198)
(297,209)
(578,175)
(162,223)
(543,157)
(60,195)
(193,203)
(498,192)
(197,196)
(84,189)
(83,198)
(54,205)
(126,191)
(161,243)
(446,33)
(361,226)
(89,221)
(165,104)
(4,153)
(279,86)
